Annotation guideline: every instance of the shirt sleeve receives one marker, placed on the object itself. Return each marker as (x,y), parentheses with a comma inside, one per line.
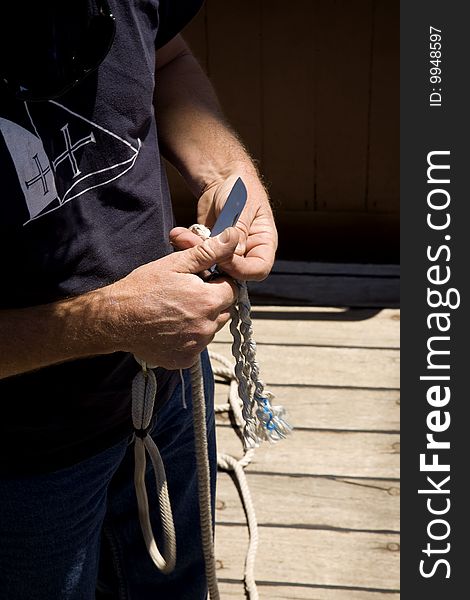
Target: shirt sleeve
(174,15)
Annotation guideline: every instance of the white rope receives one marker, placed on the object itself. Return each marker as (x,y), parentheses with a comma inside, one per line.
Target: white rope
(229,463)
(144,389)
(254,416)
(203,472)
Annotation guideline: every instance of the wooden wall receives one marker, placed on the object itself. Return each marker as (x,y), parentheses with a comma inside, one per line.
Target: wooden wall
(312,86)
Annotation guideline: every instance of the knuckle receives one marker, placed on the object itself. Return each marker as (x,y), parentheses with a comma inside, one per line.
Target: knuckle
(206,252)
(222,321)
(207,331)
(224,318)
(243,226)
(186,358)
(214,302)
(211,305)
(199,340)
(189,360)
(184,362)
(263,274)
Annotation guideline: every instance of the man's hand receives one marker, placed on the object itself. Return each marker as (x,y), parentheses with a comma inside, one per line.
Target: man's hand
(197,140)
(164,313)
(254,255)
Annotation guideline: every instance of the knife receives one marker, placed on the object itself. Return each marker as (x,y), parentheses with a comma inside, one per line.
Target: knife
(229,214)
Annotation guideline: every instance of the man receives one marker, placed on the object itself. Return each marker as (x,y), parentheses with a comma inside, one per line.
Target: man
(89,280)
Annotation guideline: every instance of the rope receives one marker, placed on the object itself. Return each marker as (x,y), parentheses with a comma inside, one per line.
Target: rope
(263,421)
(144,389)
(203,472)
(229,463)
(255,417)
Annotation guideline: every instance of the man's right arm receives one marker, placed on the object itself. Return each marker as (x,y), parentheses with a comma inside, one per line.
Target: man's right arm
(35,337)
(162,312)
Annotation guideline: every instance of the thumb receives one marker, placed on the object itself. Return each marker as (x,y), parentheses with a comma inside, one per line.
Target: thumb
(211,252)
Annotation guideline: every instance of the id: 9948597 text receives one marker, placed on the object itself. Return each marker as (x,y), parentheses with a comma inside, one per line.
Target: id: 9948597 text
(435,71)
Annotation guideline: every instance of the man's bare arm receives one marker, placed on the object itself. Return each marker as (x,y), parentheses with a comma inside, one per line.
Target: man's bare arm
(196,138)
(34,337)
(162,311)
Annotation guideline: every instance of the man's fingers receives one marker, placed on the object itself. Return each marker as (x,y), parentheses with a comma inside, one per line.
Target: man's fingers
(182,238)
(222,319)
(247,268)
(226,292)
(208,253)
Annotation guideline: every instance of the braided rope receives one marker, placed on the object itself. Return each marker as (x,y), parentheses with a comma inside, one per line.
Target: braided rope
(254,416)
(243,382)
(203,472)
(265,422)
(144,389)
(229,463)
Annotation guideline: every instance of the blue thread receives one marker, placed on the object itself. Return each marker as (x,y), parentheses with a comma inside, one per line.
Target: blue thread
(270,426)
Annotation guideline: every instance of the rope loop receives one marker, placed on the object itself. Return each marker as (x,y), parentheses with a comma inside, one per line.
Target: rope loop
(144,389)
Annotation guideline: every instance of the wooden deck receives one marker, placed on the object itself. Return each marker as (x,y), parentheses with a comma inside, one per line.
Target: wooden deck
(327,499)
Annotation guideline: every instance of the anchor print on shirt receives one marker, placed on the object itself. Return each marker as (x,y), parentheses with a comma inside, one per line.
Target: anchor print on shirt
(62,155)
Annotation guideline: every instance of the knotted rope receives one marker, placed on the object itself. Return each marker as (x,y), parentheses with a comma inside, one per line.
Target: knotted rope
(144,389)
(254,415)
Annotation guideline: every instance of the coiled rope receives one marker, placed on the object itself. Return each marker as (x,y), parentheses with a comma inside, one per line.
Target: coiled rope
(226,462)
(254,414)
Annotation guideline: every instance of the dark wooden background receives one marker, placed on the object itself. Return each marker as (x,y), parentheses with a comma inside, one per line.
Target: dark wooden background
(312,86)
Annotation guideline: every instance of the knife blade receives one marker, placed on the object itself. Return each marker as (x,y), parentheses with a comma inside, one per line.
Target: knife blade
(232,209)
(230,213)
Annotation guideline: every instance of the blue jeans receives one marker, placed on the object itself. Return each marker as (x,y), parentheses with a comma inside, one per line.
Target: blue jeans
(74,534)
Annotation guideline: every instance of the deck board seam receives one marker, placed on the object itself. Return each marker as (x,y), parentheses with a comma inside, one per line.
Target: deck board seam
(334,387)
(329,429)
(322,475)
(351,588)
(311,527)
(298,345)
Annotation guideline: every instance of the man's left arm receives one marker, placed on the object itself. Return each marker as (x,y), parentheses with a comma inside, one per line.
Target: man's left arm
(197,140)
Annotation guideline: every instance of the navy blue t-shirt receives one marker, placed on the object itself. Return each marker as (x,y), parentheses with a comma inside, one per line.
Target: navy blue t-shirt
(85,201)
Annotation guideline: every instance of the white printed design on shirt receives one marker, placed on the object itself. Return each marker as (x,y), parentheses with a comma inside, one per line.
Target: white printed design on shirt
(32,165)
(37,169)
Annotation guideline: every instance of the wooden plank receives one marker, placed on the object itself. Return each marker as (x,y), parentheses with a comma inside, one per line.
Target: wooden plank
(343,33)
(312,326)
(384,147)
(230,589)
(334,367)
(337,408)
(234,62)
(313,501)
(313,557)
(324,290)
(343,454)
(288,68)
